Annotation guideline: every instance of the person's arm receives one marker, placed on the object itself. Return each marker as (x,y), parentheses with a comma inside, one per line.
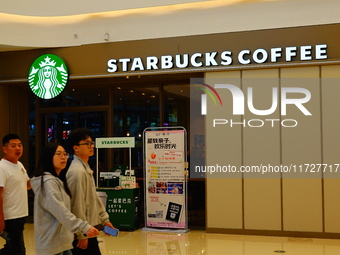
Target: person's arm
(29,184)
(76,181)
(53,203)
(27,177)
(2,218)
(66,217)
(103,215)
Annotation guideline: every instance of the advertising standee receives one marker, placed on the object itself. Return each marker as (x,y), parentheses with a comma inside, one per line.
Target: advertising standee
(165,179)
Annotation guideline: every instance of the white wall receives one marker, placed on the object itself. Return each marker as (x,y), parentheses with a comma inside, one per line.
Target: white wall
(282,202)
(71,23)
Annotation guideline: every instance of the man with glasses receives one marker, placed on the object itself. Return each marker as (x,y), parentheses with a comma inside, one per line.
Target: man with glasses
(85,203)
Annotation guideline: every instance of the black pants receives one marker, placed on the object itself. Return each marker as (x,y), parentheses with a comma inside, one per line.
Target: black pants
(15,230)
(92,248)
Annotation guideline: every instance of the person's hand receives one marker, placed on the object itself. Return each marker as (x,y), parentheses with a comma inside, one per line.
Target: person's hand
(109,224)
(82,243)
(92,232)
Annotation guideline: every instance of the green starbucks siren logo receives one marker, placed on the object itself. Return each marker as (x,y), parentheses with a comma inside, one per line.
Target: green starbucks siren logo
(48,76)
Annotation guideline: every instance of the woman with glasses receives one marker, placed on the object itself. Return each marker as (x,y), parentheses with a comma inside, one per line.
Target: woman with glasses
(54,224)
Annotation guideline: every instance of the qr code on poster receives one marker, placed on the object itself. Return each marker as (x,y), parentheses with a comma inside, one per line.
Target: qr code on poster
(159,214)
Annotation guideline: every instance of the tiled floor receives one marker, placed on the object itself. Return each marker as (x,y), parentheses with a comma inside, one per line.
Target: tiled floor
(198,242)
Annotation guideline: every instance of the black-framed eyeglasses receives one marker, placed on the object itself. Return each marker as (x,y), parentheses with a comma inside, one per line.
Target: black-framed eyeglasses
(66,155)
(89,144)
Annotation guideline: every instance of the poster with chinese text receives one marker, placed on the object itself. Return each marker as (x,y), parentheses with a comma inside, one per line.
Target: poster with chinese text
(165,183)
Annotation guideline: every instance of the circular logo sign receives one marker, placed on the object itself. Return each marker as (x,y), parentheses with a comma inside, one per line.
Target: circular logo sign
(48,76)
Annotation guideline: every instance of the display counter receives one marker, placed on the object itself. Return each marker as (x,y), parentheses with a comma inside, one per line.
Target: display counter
(123,207)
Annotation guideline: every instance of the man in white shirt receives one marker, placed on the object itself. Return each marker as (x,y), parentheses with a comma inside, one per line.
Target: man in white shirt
(14,183)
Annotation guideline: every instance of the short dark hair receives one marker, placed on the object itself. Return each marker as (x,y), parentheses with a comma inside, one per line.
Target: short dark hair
(78,135)
(7,138)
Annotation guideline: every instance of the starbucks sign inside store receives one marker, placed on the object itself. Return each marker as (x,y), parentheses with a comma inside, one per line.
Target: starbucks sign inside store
(48,76)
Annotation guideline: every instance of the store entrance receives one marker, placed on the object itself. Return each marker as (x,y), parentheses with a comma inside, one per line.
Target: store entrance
(57,126)
(118,107)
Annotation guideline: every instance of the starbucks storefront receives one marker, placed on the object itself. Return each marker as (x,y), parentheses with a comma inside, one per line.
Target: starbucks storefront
(119,89)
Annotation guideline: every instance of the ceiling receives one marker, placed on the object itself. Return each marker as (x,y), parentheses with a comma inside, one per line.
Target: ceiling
(4,48)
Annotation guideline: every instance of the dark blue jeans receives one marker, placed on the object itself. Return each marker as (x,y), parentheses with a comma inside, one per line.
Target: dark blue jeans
(92,248)
(68,252)
(15,230)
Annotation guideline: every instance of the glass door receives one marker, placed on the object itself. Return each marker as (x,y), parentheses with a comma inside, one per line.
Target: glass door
(59,125)
(135,108)
(56,127)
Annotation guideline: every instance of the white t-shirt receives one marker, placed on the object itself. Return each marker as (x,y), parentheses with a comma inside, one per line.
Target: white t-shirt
(13,178)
